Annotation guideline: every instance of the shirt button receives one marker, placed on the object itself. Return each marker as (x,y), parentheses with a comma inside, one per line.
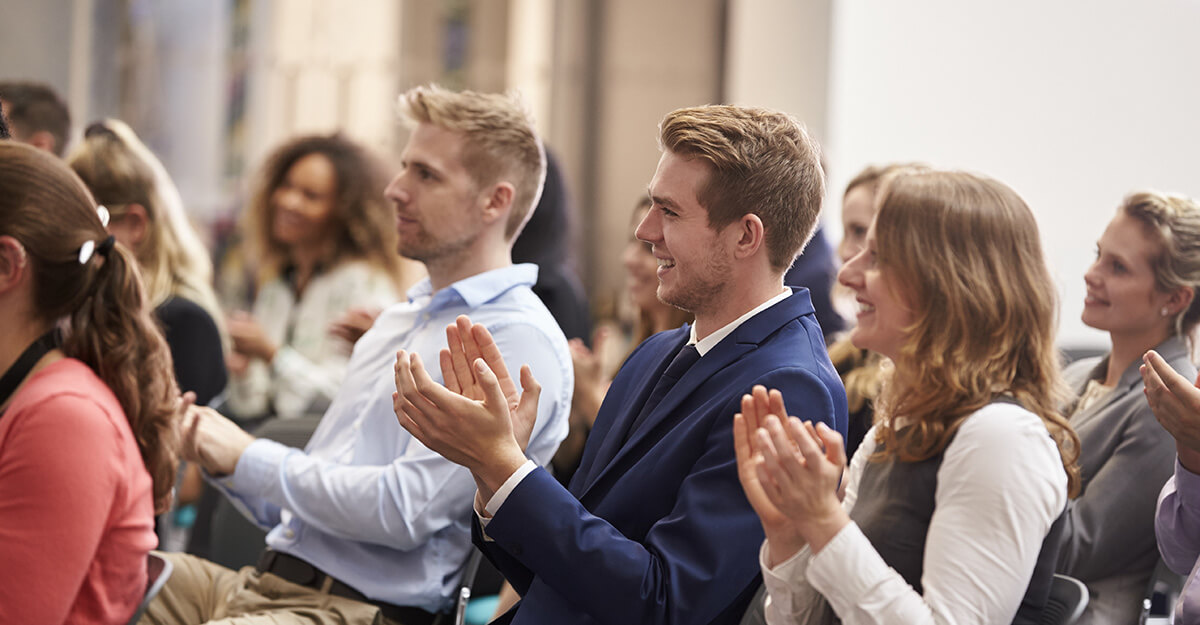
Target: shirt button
(288,533)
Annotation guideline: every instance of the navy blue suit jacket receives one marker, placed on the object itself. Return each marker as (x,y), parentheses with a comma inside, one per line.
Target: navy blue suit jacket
(655,527)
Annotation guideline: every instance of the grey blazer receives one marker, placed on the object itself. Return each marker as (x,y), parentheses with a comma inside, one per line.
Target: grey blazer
(1125,458)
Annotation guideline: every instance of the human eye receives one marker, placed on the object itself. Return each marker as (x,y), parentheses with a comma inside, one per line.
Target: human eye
(1119,267)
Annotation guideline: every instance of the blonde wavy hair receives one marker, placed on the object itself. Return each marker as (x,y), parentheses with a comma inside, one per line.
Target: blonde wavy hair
(121,171)
(1175,221)
(964,252)
(501,142)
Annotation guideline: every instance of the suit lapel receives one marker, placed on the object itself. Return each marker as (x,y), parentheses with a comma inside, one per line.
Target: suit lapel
(617,449)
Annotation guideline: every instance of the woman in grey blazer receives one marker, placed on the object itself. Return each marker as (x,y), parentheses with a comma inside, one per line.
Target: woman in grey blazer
(1140,289)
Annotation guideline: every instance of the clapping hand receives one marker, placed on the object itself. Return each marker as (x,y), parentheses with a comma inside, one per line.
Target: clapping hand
(478,419)
(790,472)
(1176,403)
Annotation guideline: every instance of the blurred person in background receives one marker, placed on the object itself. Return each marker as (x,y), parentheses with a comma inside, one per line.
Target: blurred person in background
(1141,290)
(595,367)
(147,215)
(36,115)
(860,369)
(88,438)
(322,240)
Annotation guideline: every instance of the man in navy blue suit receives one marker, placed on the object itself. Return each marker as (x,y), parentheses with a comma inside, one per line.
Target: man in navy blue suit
(654,527)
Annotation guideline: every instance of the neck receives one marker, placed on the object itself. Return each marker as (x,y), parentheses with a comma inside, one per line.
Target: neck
(660,318)
(470,261)
(1126,349)
(306,258)
(19,334)
(744,293)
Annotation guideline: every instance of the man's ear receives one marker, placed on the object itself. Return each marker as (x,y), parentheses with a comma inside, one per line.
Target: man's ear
(499,201)
(14,263)
(751,235)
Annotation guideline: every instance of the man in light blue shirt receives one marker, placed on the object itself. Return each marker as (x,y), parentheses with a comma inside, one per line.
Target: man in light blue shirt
(367,522)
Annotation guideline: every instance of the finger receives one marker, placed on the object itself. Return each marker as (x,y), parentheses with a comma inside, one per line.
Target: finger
(741,442)
(1179,386)
(401,407)
(809,447)
(458,358)
(762,402)
(495,399)
(750,415)
(775,403)
(835,446)
(449,376)
(531,390)
(790,462)
(600,340)
(766,467)
(470,348)
(777,454)
(416,404)
(490,352)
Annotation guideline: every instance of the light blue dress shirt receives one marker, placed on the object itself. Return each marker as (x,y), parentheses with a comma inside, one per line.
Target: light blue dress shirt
(366,502)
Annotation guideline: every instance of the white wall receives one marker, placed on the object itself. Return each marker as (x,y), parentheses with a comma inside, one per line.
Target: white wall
(1073,103)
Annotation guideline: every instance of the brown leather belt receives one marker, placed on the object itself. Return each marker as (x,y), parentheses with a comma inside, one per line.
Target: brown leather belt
(297,571)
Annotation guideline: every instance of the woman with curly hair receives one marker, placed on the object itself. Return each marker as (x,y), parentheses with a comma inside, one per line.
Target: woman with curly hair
(323,241)
(953,288)
(88,442)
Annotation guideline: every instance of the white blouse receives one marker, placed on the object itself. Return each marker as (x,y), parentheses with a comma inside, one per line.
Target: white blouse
(1000,486)
(309,365)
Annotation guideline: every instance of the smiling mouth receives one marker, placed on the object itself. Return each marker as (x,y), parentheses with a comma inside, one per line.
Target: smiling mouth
(665,263)
(864,307)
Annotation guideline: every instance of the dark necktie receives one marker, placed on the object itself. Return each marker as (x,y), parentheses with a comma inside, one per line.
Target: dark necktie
(683,361)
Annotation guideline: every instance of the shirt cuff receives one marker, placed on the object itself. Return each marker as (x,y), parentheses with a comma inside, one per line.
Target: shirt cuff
(257,466)
(780,581)
(847,569)
(507,487)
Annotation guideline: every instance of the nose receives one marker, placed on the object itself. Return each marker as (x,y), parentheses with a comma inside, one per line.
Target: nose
(287,198)
(650,228)
(851,273)
(1091,277)
(847,250)
(395,189)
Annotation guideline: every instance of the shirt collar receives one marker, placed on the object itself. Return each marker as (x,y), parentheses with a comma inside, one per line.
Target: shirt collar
(480,288)
(711,340)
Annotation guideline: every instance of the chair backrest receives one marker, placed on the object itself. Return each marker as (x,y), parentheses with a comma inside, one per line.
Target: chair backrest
(1161,594)
(235,541)
(755,614)
(1068,598)
(158,569)
(462,594)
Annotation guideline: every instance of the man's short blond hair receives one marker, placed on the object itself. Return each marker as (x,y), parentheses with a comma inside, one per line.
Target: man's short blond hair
(501,143)
(762,163)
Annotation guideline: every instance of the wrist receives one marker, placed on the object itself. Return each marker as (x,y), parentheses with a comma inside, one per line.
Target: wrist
(1188,457)
(782,544)
(492,475)
(821,529)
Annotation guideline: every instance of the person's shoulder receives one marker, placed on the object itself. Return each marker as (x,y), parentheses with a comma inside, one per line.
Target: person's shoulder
(1001,424)
(69,395)
(183,311)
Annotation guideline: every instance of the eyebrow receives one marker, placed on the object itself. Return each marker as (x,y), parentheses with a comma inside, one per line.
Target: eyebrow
(664,201)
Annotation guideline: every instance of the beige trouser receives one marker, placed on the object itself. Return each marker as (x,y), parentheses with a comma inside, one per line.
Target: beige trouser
(200,591)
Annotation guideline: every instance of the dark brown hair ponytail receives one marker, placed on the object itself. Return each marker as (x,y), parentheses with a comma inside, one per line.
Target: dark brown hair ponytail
(96,298)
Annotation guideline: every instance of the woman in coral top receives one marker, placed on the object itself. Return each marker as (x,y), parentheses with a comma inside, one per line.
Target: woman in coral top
(87,405)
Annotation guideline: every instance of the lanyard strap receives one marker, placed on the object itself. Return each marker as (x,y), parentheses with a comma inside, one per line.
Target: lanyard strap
(19,369)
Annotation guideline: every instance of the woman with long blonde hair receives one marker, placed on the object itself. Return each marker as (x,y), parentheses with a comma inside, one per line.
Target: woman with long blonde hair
(953,288)
(1141,290)
(88,440)
(146,214)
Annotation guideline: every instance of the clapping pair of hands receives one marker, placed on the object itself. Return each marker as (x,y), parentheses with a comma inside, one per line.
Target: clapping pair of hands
(476,418)
(790,471)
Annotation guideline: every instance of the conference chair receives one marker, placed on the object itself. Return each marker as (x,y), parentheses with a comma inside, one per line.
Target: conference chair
(158,570)
(1068,598)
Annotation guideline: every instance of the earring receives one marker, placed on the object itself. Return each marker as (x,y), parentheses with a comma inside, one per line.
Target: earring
(1164,312)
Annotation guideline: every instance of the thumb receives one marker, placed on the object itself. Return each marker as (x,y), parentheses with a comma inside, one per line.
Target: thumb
(530,389)
(492,394)
(835,448)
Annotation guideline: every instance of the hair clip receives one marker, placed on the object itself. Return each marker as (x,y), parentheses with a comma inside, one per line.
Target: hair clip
(103,212)
(90,247)
(86,250)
